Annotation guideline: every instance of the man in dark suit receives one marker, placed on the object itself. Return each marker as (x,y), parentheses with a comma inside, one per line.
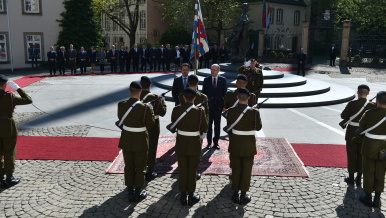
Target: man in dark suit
(62,60)
(301,61)
(185,54)
(180,83)
(144,52)
(168,56)
(51,56)
(122,58)
(128,59)
(134,52)
(83,57)
(34,54)
(215,87)
(161,57)
(72,59)
(113,59)
(214,53)
(153,58)
(333,51)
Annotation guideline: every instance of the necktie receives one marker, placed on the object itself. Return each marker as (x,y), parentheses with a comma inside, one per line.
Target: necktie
(184,82)
(214,84)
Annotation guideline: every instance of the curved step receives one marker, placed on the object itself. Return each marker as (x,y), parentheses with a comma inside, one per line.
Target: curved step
(267,74)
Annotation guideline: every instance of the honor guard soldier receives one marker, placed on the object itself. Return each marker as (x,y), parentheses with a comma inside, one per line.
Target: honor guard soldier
(231,96)
(136,117)
(352,114)
(254,75)
(190,122)
(242,122)
(8,133)
(373,124)
(159,108)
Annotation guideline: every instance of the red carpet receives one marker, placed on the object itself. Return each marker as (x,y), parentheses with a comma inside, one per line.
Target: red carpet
(322,155)
(25,81)
(290,69)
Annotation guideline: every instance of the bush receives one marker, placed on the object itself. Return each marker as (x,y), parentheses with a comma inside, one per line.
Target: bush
(375,60)
(357,58)
(280,55)
(176,34)
(273,54)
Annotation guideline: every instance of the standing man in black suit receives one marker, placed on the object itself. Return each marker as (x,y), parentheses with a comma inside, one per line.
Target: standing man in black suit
(168,56)
(153,58)
(34,54)
(333,52)
(83,57)
(51,56)
(72,59)
(215,87)
(62,60)
(214,53)
(301,61)
(180,83)
(128,59)
(122,58)
(113,59)
(161,57)
(134,52)
(185,54)
(144,57)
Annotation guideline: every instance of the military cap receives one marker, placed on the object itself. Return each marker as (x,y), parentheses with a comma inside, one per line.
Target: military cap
(381,93)
(190,91)
(135,85)
(242,77)
(243,91)
(192,78)
(145,79)
(363,86)
(3,78)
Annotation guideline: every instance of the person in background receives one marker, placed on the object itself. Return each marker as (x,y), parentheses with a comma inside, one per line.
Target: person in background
(102,59)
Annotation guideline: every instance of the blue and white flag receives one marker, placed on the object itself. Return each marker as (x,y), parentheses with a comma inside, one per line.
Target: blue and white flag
(199,40)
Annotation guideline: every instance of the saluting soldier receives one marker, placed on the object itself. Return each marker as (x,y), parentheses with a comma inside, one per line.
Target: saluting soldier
(353,113)
(159,109)
(188,144)
(8,133)
(373,122)
(242,144)
(254,75)
(231,96)
(134,140)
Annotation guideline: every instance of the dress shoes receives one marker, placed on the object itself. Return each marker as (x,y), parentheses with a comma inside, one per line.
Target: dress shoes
(208,146)
(216,147)
(184,198)
(150,175)
(198,176)
(236,198)
(244,198)
(193,199)
(139,194)
(366,200)
(349,180)
(11,181)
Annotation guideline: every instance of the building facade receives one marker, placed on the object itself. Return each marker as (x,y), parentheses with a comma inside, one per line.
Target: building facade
(24,23)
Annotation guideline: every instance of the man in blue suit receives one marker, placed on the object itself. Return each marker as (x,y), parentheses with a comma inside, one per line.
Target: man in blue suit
(215,87)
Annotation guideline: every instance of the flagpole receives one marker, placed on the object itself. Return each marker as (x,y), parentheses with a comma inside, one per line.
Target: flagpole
(195,40)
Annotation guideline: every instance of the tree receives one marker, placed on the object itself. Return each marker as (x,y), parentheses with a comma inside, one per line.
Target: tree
(218,15)
(175,35)
(118,11)
(80,25)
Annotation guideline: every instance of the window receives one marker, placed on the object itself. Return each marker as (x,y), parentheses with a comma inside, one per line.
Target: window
(142,2)
(107,23)
(2,6)
(36,41)
(297,18)
(272,15)
(3,48)
(142,23)
(32,6)
(279,16)
(143,40)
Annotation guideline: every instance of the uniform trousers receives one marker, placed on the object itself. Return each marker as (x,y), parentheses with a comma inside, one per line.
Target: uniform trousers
(135,168)
(241,172)
(373,174)
(354,156)
(8,150)
(153,144)
(187,168)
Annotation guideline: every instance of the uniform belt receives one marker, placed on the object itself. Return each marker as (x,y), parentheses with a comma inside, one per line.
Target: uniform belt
(184,133)
(133,129)
(353,123)
(156,117)
(238,132)
(372,136)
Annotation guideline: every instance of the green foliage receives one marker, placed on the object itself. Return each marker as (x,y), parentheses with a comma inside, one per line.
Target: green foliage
(357,58)
(375,60)
(175,35)
(80,25)
(280,55)
(291,55)
(273,54)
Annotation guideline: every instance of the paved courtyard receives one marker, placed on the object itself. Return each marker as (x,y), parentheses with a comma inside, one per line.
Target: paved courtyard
(51,188)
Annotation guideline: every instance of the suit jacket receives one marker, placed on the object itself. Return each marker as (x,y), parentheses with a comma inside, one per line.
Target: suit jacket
(113,56)
(178,87)
(134,54)
(333,52)
(218,95)
(83,55)
(51,55)
(122,55)
(61,56)
(162,55)
(144,54)
(302,57)
(152,53)
(92,56)
(71,54)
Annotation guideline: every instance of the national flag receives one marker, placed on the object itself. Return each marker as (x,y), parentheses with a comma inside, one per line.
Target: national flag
(199,39)
(268,21)
(264,16)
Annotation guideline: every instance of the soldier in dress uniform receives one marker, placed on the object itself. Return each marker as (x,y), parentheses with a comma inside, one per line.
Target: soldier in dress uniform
(373,122)
(242,145)
(255,77)
(8,133)
(159,109)
(188,144)
(353,112)
(134,141)
(231,96)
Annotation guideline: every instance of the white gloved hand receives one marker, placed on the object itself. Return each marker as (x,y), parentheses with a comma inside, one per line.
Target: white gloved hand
(247,64)
(13,85)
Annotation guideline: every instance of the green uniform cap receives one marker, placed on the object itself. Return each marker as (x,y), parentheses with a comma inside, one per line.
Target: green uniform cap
(3,78)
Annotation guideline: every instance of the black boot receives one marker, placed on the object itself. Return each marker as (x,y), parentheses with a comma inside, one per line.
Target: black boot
(349,179)
(193,198)
(366,199)
(377,200)
(130,189)
(235,197)
(244,198)
(11,181)
(150,174)
(139,194)
(358,180)
(184,198)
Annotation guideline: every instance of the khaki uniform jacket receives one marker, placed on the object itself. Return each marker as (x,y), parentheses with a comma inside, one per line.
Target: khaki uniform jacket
(255,79)
(372,147)
(231,98)
(159,106)
(7,103)
(243,145)
(201,97)
(352,108)
(140,116)
(194,120)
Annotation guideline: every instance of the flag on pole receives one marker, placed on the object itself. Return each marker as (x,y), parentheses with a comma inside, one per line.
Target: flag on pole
(264,16)
(268,21)
(199,39)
